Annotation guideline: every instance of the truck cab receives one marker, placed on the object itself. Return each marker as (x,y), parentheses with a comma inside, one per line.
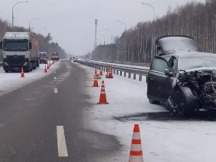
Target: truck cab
(55,56)
(19,51)
(43,57)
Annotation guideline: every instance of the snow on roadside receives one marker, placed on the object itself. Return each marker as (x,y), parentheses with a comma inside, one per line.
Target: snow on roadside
(162,140)
(12,81)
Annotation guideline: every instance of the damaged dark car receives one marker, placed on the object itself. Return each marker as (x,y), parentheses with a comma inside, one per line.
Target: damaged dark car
(181,76)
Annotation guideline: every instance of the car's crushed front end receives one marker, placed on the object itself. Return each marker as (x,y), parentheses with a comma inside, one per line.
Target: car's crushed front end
(203,86)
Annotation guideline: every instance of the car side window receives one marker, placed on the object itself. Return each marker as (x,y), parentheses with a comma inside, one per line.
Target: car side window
(173,64)
(159,65)
(159,50)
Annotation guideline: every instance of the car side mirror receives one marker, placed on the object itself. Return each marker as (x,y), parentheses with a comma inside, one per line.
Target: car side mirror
(168,72)
(30,45)
(1,45)
(159,51)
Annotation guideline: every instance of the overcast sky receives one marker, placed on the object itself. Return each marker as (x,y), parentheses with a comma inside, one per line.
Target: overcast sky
(71,22)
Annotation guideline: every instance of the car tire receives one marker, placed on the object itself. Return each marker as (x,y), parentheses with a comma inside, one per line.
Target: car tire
(184,101)
(154,102)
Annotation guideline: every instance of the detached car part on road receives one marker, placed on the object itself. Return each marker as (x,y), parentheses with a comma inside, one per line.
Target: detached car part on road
(181,76)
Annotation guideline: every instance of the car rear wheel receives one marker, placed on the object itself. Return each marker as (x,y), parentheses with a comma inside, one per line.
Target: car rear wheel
(154,101)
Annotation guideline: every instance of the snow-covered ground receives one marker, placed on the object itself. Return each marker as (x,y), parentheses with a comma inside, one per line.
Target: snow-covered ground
(164,138)
(11,81)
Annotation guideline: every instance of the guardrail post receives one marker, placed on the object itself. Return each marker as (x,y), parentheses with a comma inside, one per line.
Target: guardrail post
(120,72)
(134,76)
(114,71)
(129,75)
(124,73)
(117,72)
(140,77)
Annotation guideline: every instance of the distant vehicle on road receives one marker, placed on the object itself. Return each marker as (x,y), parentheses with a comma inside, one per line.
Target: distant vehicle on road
(182,77)
(43,57)
(20,50)
(75,59)
(55,56)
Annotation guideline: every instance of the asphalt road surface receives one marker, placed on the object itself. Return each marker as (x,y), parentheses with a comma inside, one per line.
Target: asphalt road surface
(43,121)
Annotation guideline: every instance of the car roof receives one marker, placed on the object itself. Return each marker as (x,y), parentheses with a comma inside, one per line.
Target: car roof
(191,54)
(168,36)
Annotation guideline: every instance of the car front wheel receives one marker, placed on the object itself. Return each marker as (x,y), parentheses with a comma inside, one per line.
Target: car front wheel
(183,101)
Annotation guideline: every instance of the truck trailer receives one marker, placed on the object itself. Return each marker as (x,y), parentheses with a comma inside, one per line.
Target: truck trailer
(20,50)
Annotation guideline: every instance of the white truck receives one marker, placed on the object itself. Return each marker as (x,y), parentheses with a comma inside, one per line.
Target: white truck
(20,50)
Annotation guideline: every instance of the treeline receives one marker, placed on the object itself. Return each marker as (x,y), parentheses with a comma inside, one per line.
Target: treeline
(137,45)
(45,42)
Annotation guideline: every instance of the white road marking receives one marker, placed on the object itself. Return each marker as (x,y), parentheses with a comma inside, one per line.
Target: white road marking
(55,90)
(54,77)
(62,148)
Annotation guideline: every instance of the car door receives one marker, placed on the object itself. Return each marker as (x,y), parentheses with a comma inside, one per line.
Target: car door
(159,85)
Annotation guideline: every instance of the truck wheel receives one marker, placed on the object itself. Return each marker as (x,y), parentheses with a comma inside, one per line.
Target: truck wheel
(184,101)
(38,64)
(34,65)
(29,68)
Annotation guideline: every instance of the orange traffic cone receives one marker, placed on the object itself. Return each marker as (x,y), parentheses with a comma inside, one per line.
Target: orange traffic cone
(101,72)
(95,83)
(110,75)
(109,72)
(103,99)
(136,154)
(22,73)
(48,66)
(45,70)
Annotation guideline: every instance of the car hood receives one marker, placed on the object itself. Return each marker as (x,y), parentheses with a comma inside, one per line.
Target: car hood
(201,69)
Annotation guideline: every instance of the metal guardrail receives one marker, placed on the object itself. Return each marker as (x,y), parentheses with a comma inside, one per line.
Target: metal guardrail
(118,69)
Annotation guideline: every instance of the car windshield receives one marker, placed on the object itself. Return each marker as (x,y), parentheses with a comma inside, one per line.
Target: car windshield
(177,44)
(42,54)
(15,46)
(187,63)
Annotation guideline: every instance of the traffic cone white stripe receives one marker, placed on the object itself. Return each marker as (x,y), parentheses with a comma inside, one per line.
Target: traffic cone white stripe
(136,147)
(136,135)
(136,159)
(103,92)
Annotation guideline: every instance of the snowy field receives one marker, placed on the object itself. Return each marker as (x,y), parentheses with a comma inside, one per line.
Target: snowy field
(164,138)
